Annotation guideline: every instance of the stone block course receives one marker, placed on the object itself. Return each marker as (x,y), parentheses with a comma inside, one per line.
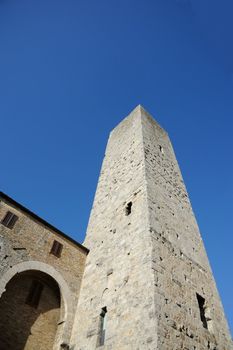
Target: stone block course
(27,247)
(147,266)
(156,252)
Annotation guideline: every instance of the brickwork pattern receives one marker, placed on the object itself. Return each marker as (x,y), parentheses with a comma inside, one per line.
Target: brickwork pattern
(146,267)
(120,251)
(30,241)
(23,326)
(179,260)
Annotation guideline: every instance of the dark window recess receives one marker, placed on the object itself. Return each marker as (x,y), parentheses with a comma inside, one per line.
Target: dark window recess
(128,208)
(34,294)
(56,249)
(201,304)
(102,333)
(9,219)
(161,148)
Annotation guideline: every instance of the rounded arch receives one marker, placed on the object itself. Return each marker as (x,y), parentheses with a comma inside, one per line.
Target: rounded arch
(66,295)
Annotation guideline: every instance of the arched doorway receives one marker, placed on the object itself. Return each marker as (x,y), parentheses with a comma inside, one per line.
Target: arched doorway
(29,312)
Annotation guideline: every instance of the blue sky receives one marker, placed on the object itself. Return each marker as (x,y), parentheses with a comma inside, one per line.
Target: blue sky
(71,70)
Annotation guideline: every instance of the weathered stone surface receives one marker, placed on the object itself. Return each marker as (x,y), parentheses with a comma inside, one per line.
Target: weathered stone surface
(155,253)
(147,283)
(25,249)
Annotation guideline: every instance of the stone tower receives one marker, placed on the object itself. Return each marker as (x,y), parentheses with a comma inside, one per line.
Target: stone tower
(147,282)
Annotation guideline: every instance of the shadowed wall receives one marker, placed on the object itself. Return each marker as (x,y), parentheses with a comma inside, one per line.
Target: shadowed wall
(24,326)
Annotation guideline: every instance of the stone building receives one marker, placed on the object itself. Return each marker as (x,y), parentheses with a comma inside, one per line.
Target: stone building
(41,273)
(142,280)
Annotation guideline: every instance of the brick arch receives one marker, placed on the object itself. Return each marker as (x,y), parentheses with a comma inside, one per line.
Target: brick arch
(66,295)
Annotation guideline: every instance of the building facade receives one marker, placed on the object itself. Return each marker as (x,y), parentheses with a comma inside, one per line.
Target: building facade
(144,280)
(40,277)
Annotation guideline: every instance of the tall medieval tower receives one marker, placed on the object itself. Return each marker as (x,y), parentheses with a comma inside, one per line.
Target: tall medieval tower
(147,282)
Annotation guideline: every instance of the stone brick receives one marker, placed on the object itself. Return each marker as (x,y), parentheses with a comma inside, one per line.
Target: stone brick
(146,283)
(155,252)
(26,248)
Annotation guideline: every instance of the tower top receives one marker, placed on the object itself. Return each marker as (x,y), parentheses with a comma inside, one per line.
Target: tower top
(140,112)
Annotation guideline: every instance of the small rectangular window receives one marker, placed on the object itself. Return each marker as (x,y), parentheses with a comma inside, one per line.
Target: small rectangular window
(34,294)
(9,219)
(201,304)
(56,248)
(102,332)
(128,208)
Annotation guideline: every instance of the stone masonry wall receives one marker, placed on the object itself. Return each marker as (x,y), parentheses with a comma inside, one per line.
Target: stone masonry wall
(179,260)
(118,272)
(23,326)
(147,267)
(30,241)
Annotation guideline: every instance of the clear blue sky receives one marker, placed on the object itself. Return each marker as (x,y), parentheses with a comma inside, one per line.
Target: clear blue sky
(71,70)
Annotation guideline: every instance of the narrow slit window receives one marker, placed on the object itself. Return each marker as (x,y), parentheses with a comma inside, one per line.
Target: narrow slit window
(201,304)
(9,219)
(128,208)
(56,249)
(103,319)
(34,294)
(161,149)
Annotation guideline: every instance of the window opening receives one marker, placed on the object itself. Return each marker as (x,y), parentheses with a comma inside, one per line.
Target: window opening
(103,319)
(201,303)
(128,208)
(34,294)
(56,248)
(161,149)
(9,219)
